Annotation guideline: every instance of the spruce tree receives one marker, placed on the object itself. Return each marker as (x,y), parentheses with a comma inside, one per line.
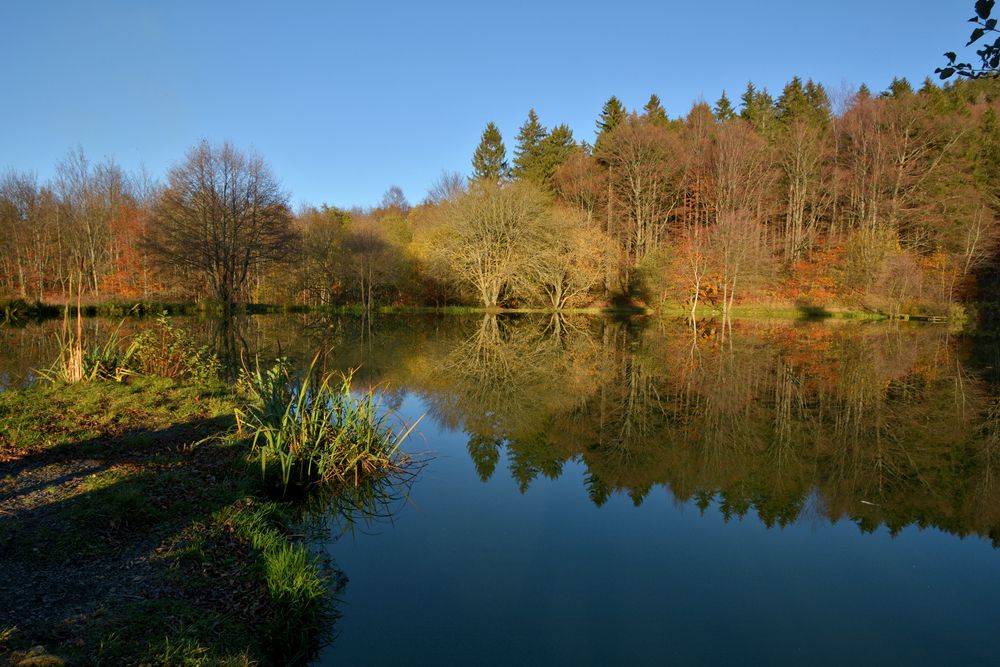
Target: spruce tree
(654,111)
(803,101)
(556,148)
(758,109)
(900,87)
(938,101)
(612,114)
(792,103)
(819,101)
(747,99)
(529,148)
(724,109)
(864,92)
(489,162)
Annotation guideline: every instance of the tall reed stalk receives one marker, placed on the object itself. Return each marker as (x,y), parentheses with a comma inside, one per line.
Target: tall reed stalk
(69,365)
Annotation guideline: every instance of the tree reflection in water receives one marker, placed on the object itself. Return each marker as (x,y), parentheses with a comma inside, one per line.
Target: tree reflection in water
(878,423)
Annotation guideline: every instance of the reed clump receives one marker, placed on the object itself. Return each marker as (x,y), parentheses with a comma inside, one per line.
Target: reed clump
(162,350)
(312,428)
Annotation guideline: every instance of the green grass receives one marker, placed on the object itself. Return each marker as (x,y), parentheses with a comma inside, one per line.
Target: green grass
(152,471)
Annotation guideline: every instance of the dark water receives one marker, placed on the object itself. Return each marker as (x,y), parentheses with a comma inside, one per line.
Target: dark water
(605,492)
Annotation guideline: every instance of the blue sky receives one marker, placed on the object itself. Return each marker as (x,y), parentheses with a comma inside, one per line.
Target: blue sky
(347,98)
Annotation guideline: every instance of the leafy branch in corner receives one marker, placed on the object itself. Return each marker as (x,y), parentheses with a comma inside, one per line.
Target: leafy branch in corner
(989,54)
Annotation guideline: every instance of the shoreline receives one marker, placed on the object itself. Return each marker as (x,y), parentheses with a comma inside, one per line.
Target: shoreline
(133,521)
(14,312)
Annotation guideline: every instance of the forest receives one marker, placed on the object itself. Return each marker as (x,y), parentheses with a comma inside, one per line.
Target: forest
(881,202)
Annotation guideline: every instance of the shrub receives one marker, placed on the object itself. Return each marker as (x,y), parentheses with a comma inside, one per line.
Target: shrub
(167,351)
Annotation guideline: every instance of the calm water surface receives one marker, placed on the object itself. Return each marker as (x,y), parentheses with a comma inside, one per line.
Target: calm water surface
(605,492)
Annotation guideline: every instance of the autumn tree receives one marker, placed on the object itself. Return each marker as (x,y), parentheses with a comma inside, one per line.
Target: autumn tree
(486,236)
(320,264)
(801,132)
(394,199)
(25,235)
(448,185)
(580,181)
(645,163)
(222,216)
(93,198)
(571,258)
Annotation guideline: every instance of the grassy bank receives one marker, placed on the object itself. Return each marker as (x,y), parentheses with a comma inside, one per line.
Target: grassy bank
(130,535)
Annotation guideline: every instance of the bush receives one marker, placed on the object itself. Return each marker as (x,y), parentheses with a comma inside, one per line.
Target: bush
(166,351)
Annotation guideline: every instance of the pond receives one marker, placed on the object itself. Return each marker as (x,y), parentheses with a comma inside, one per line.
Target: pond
(600,491)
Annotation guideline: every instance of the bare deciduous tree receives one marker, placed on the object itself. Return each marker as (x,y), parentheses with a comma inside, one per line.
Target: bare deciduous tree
(487,235)
(572,257)
(221,216)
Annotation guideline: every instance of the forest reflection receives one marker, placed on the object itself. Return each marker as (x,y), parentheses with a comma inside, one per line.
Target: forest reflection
(875,423)
(880,425)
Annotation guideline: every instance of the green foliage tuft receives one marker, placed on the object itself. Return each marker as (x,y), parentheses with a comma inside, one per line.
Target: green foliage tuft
(313,428)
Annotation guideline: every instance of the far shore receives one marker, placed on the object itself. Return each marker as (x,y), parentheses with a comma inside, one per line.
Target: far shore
(18,310)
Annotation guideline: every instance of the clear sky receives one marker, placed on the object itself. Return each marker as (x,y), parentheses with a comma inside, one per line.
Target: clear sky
(347,98)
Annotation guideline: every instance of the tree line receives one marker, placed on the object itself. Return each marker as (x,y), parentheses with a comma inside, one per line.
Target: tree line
(886,201)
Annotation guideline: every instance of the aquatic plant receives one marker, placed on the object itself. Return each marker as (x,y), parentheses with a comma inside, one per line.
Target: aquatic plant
(313,428)
(161,351)
(109,360)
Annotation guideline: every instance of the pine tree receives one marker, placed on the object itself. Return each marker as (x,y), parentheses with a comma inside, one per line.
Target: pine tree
(556,148)
(937,100)
(758,109)
(864,92)
(489,162)
(819,101)
(724,109)
(529,148)
(747,99)
(803,101)
(654,111)
(792,103)
(900,87)
(612,114)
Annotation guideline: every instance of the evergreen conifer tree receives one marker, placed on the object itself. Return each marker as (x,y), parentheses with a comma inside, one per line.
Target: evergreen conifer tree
(758,109)
(724,109)
(556,148)
(819,101)
(900,87)
(612,114)
(489,162)
(654,111)
(792,103)
(529,148)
